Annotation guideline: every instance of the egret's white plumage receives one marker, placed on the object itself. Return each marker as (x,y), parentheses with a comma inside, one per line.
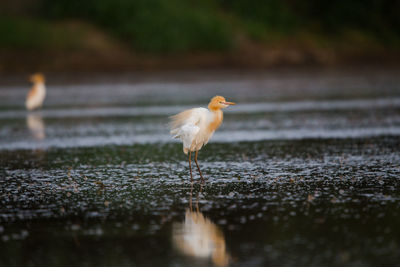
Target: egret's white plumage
(191,126)
(37,94)
(196,126)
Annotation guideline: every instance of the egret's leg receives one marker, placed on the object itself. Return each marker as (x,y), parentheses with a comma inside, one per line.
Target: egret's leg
(198,167)
(190,166)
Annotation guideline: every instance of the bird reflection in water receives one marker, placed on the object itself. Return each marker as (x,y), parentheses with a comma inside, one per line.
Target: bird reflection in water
(198,237)
(36,125)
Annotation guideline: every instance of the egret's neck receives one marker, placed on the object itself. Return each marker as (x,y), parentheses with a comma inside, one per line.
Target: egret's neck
(218,116)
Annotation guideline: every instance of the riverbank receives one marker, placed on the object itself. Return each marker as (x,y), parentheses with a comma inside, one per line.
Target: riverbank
(74,45)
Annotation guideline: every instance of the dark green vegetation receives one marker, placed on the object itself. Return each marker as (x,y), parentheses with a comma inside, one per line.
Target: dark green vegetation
(157,26)
(152,25)
(24,33)
(378,18)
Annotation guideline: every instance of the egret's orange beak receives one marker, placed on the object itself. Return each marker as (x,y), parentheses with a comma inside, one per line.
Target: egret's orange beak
(228,103)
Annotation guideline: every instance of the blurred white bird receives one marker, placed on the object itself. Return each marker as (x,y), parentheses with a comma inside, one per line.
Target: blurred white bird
(196,126)
(37,94)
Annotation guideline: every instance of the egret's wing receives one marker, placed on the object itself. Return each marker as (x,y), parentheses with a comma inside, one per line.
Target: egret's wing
(179,119)
(35,96)
(31,98)
(187,134)
(191,117)
(186,125)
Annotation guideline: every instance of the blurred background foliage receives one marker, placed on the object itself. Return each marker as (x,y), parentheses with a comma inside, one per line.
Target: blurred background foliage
(185,26)
(151,25)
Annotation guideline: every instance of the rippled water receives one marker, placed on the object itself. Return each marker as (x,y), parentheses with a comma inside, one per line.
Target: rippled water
(303,172)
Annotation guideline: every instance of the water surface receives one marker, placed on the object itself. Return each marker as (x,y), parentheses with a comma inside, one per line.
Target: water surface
(303,172)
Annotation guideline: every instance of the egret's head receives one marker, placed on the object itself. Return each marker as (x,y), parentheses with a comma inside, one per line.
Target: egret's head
(37,78)
(218,102)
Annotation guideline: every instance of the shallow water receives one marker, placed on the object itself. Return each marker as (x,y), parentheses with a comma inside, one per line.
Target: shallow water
(303,172)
